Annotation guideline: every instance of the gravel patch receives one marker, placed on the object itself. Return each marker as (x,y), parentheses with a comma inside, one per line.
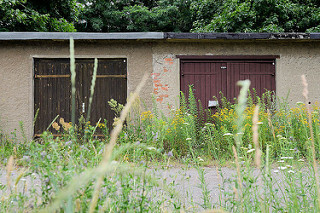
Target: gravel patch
(185,182)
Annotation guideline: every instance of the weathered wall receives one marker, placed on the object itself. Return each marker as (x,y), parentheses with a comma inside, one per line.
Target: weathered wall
(16,73)
(296,58)
(156,58)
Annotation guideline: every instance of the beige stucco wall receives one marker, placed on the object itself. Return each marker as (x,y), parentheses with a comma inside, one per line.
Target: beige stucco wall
(296,58)
(156,58)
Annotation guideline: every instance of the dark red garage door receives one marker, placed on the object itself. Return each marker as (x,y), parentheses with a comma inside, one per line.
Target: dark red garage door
(209,75)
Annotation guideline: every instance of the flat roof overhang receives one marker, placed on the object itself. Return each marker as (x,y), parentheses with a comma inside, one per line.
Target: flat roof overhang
(16,36)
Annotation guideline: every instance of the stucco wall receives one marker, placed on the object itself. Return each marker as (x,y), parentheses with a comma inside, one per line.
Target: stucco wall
(156,58)
(296,58)
(16,73)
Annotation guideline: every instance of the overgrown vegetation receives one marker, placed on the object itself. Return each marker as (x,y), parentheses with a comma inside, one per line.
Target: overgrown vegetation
(273,149)
(160,15)
(54,163)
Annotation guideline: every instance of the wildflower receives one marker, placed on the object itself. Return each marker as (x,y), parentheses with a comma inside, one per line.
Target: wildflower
(250,150)
(275,171)
(282,167)
(188,139)
(291,171)
(240,133)
(170,154)
(100,152)
(226,134)
(137,143)
(281,161)
(84,147)
(85,161)
(300,160)
(283,158)
(200,159)
(26,158)
(68,143)
(151,148)
(156,136)
(43,154)
(259,123)
(56,126)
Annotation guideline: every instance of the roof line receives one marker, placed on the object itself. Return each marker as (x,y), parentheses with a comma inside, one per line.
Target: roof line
(4,36)
(79,36)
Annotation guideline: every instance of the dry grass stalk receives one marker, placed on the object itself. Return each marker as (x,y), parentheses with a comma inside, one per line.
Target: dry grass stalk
(220,181)
(270,124)
(18,179)
(9,169)
(93,83)
(95,196)
(114,135)
(78,205)
(73,82)
(315,167)
(238,172)
(116,131)
(255,137)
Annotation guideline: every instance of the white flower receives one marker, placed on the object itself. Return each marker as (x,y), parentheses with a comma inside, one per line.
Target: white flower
(200,159)
(282,167)
(300,160)
(281,161)
(275,171)
(291,171)
(226,134)
(188,139)
(283,158)
(250,150)
(259,123)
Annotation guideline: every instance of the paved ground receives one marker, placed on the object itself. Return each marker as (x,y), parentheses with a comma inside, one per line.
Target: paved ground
(185,181)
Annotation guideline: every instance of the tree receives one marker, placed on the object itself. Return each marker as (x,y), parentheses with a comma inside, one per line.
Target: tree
(38,15)
(138,15)
(263,16)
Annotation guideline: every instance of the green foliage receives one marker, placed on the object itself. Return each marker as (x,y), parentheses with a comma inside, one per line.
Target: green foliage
(35,15)
(116,107)
(135,16)
(262,16)
(161,15)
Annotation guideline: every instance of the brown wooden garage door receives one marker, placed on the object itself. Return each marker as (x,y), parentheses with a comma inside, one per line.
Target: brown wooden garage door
(52,89)
(210,75)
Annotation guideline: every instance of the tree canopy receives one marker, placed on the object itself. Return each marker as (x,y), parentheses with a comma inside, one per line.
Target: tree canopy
(161,15)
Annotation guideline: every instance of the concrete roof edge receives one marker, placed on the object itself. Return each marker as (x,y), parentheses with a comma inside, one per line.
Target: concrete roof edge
(243,36)
(79,36)
(154,36)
